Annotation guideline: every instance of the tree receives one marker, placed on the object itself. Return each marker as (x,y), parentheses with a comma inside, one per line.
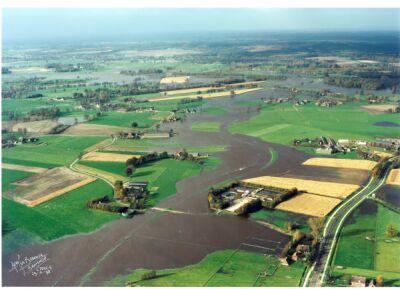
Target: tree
(379,281)
(391,231)
(130,170)
(157,127)
(289,226)
(297,236)
(232,93)
(118,189)
(316,224)
(134,124)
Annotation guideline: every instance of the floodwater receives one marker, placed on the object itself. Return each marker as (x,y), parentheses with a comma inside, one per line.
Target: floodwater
(164,240)
(386,124)
(391,195)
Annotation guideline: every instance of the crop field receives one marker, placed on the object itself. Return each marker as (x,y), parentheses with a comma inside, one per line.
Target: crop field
(282,123)
(47,185)
(394,177)
(174,79)
(365,249)
(310,205)
(328,189)
(93,130)
(23,168)
(64,215)
(206,126)
(378,108)
(221,269)
(107,157)
(40,126)
(50,152)
(206,95)
(214,110)
(341,163)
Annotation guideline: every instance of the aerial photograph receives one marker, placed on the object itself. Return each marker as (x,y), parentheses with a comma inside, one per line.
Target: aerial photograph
(201,147)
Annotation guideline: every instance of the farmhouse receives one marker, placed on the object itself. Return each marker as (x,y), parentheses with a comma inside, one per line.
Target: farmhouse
(358,281)
(135,189)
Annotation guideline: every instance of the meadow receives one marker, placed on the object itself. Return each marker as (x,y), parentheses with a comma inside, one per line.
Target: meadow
(52,151)
(209,126)
(365,249)
(281,218)
(125,119)
(282,123)
(221,269)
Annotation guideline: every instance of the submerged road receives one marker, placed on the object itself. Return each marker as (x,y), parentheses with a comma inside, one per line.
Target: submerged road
(317,274)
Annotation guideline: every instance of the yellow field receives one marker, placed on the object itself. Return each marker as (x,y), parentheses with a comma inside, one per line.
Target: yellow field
(383,154)
(208,95)
(93,129)
(107,157)
(174,79)
(394,177)
(341,163)
(202,89)
(106,175)
(40,126)
(308,204)
(378,108)
(23,168)
(100,145)
(329,189)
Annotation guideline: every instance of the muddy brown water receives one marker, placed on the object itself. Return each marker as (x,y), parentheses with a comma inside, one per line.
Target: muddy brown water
(390,194)
(165,240)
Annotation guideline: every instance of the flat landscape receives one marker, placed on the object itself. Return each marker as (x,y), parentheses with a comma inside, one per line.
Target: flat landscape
(238,160)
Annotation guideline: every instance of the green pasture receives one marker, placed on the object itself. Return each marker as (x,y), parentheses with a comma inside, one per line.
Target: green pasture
(284,122)
(125,119)
(209,126)
(226,268)
(52,151)
(280,218)
(10,176)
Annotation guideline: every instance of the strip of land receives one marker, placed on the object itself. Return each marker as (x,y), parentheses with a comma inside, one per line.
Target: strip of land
(23,168)
(341,163)
(107,157)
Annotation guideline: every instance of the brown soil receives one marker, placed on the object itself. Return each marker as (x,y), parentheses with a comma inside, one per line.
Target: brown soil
(92,129)
(23,168)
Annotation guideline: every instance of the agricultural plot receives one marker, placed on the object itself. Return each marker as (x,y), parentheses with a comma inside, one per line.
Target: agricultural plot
(47,185)
(23,168)
(206,95)
(394,177)
(309,204)
(220,269)
(58,217)
(364,245)
(107,157)
(281,218)
(341,163)
(83,129)
(206,126)
(174,80)
(40,126)
(328,189)
(52,151)
(125,119)
(379,108)
(9,176)
(283,123)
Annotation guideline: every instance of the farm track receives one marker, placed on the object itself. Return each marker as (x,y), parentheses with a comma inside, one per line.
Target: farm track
(160,239)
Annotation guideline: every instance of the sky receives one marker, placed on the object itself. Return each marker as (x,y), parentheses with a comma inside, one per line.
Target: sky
(20,24)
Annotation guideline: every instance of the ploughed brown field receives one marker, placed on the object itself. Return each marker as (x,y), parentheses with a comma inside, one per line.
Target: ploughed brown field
(378,108)
(47,185)
(341,163)
(394,177)
(23,168)
(107,157)
(40,126)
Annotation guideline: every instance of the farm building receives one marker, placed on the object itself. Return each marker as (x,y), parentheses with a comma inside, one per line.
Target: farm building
(358,281)
(135,189)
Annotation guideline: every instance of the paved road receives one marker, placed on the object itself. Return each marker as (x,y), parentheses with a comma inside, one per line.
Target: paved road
(317,273)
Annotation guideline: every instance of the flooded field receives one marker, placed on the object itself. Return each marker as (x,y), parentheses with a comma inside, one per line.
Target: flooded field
(159,239)
(390,194)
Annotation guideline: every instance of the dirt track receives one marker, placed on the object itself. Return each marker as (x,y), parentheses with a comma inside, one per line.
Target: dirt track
(163,240)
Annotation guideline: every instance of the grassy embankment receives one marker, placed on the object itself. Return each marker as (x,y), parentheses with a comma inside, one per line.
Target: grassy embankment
(365,249)
(222,268)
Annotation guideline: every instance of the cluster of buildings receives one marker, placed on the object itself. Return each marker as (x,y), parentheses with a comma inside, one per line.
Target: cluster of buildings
(7,143)
(328,102)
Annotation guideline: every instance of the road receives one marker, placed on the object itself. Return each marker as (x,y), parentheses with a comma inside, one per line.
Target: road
(318,272)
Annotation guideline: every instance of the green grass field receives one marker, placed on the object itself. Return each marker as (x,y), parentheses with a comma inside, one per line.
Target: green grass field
(209,126)
(161,175)
(64,215)
(220,269)
(214,110)
(370,258)
(283,123)
(125,119)
(51,151)
(10,176)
